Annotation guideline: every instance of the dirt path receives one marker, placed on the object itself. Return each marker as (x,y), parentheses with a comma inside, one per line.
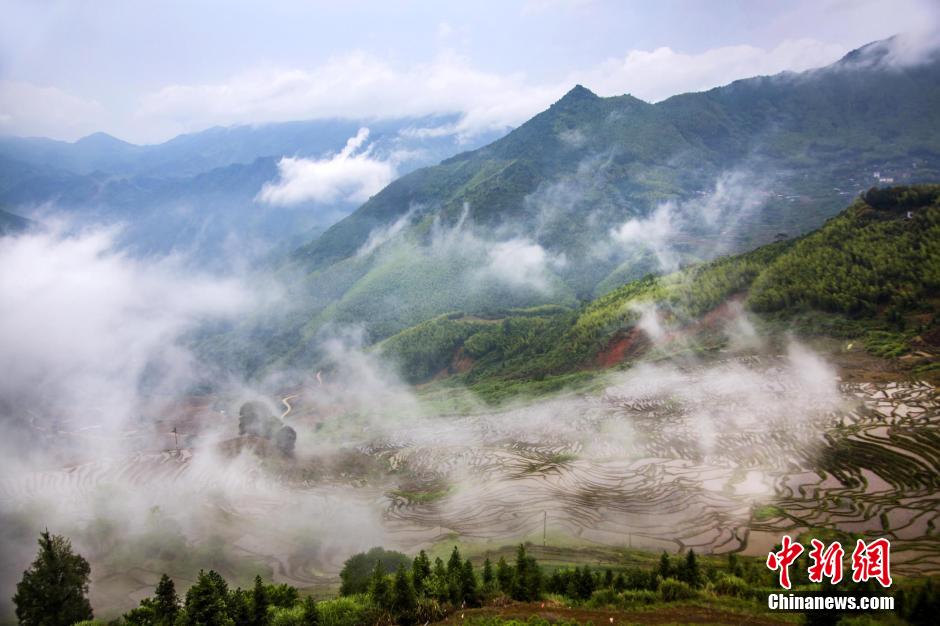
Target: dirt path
(667,615)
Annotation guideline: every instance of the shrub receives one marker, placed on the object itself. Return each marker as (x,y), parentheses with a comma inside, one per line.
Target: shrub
(728,585)
(671,590)
(345,611)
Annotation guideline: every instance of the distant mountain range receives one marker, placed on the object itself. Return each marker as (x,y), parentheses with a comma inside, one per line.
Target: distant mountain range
(197,193)
(595,192)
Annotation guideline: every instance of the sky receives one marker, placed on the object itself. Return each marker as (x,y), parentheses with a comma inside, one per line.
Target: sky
(147,71)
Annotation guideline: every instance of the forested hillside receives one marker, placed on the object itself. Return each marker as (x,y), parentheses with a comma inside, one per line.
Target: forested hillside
(872,272)
(595,192)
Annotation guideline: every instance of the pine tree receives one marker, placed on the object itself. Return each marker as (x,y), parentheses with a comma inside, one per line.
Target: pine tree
(404,601)
(488,576)
(693,574)
(311,615)
(378,588)
(53,590)
(239,607)
(455,562)
(608,579)
(166,603)
(468,584)
(259,604)
(420,571)
(206,602)
(665,567)
(504,576)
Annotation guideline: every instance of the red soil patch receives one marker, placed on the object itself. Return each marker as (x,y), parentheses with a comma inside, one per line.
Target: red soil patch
(635,342)
(632,344)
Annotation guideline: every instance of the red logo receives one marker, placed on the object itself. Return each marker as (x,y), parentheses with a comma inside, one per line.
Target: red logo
(869,560)
(872,561)
(826,563)
(783,559)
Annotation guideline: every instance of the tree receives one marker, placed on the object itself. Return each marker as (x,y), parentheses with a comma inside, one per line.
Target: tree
(665,567)
(166,603)
(504,576)
(468,584)
(206,602)
(528,579)
(238,607)
(454,563)
(420,571)
(311,615)
(691,573)
(489,578)
(53,590)
(285,439)
(357,570)
(378,587)
(403,596)
(259,604)
(249,418)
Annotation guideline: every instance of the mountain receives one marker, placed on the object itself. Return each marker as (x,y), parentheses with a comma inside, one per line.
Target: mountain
(869,277)
(595,192)
(198,193)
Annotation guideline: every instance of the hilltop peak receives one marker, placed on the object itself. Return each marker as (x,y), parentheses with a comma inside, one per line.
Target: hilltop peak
(578,93)
(101,139)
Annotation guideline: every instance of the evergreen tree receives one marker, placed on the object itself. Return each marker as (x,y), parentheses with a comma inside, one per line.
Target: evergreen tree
(239,607)
(378,587)
(403,602)
(420,571)
(468,584)
(454,563)
(166,603)
(504,576)
(259,604)
(489,579)
(528,577)
(206,602)
(692,574)
(608,579)
(665,567)
(53,590)
(311,614)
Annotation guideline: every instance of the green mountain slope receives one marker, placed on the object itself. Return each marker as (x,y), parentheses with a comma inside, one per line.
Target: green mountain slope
(601,186)
(871,273)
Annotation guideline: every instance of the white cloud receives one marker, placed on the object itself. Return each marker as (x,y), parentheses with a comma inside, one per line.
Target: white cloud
(361,85)
(81,323)
(654,75)
(352,175)
(28,109)
(520,263)
(356,85)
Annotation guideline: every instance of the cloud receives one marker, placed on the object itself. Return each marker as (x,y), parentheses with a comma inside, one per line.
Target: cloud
(657,74)
(360,85)
(29,109)
(521,262)
(352,175)
(82,326)
(714,216)
(356,85)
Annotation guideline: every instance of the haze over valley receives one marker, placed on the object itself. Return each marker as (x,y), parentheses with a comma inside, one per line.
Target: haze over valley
(416,305)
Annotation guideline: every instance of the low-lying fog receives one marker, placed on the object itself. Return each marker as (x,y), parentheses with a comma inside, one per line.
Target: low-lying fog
(116,436)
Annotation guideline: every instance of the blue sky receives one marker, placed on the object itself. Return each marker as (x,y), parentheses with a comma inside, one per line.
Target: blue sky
(146,71)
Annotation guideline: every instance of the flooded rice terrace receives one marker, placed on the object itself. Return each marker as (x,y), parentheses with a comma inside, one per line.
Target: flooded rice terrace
(721,457)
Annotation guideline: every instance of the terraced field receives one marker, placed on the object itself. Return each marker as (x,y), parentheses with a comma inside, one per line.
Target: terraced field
(723,456)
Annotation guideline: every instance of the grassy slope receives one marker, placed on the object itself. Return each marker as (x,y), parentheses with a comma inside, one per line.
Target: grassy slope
(870,273)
